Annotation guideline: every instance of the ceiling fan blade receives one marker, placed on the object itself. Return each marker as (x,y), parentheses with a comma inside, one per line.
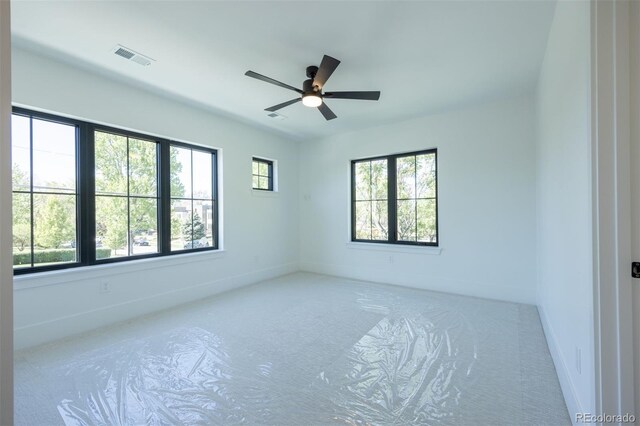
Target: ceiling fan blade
(270,80)
(327,67)
(282,105)
(366,96)
(326,111)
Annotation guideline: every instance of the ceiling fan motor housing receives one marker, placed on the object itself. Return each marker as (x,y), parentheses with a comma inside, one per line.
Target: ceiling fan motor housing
(307,87)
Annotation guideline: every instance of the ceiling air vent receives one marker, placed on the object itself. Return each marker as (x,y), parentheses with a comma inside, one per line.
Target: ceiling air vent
(276,116)
(132,55)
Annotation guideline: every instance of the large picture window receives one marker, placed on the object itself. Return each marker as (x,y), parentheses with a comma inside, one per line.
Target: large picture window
(85,194)
(394,199)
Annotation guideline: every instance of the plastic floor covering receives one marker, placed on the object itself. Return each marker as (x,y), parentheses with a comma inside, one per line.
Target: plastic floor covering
(303,349)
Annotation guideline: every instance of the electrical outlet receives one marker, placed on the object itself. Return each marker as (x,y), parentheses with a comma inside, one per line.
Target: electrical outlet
(105,287)
(579,360)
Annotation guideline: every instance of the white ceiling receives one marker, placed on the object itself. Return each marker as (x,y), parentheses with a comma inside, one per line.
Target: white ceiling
(424,57)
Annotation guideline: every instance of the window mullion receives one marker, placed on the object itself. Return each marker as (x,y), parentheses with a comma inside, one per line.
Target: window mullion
(392,202)
(415,194)
(192,195)
(129,242)
(86,171)
(164,209)
(370,200)
(31,205)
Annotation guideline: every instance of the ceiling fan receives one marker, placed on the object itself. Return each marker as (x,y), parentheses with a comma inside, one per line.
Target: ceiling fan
(311,93)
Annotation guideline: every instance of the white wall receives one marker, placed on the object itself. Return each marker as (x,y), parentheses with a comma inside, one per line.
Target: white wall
(55,304)
(486,190)
(635,177)
(565,282)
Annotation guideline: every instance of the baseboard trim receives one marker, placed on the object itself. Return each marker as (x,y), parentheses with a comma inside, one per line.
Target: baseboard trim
(568,389)
(81,322)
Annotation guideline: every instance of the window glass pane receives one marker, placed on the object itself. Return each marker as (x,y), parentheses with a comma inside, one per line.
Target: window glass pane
(111,227)
(255,167)
(363,220)
(54,156)
(427,221)
(202,174)
(264,183)
(256,182)
(21,230)
(264,169)
(143,220)
(143,167)
(363,180)
(380,220)
(379,179)
(181,224)
(111,163)
(54,229)
(20,153)
(406,220)
(202,224)
(426,175)
(406,175)
(180,172)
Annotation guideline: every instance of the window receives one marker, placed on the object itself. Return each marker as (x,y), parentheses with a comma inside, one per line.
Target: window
(262,174)
(192,198)
(394,199)
(126,195)
(44,192)
(85,194)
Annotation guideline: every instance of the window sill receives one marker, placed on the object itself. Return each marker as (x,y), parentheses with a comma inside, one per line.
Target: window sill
(395,248)
(263,193)
(41,279)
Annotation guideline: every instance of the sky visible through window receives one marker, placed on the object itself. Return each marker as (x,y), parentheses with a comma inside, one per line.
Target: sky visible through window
(54,162)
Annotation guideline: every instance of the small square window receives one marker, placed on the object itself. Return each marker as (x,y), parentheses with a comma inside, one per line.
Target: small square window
(262,173)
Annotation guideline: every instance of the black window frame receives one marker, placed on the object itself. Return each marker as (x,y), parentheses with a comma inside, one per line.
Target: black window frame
(31,115)
(269,176)
(85,193)
(214,197)
(392,199)
(129,135)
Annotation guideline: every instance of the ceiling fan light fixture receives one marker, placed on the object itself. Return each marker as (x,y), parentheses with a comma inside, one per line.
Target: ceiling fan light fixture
(312,100)
(311,92)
